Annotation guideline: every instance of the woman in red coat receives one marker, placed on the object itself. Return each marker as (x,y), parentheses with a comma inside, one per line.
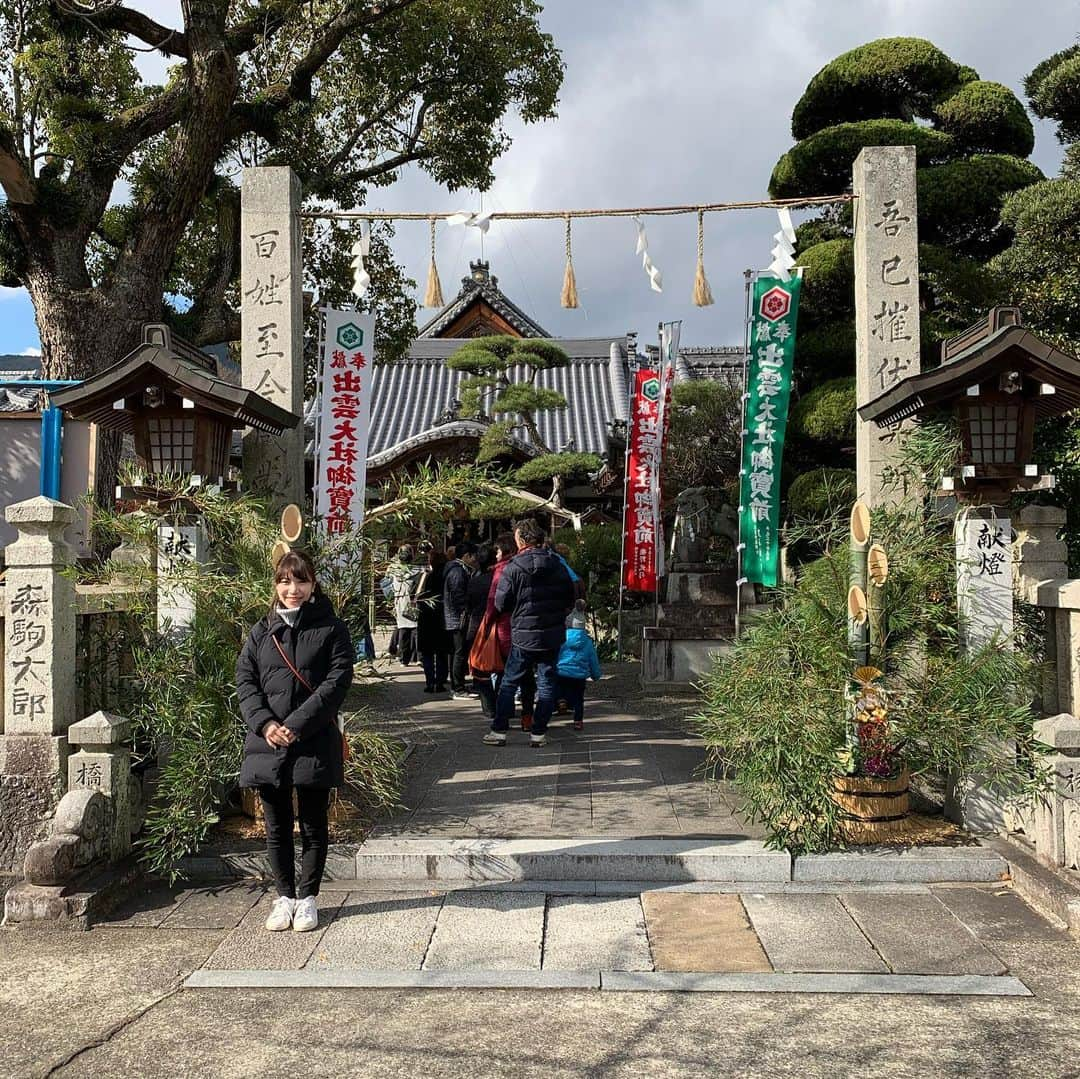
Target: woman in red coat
(505,549)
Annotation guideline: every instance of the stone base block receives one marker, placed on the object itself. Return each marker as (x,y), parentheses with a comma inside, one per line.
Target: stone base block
(680,658)
(27,804)
(34,755)
(76,906)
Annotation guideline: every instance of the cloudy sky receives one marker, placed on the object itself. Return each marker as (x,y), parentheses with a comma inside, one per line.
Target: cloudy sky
(670,102)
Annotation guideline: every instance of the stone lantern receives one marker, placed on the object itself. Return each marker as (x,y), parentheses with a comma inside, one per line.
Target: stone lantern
(167,395)
(996,379)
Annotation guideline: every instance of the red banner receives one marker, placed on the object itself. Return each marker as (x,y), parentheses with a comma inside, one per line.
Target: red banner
(641,523)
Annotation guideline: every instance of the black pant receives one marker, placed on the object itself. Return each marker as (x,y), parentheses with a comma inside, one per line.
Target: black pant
(313,803)
(486,688)
(459,664)
(572,690)
(406,644)
(435,667)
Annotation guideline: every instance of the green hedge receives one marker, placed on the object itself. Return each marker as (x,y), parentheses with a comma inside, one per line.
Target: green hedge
(893,76)
(821,163)
(986,117)
(816,495)
(827,412)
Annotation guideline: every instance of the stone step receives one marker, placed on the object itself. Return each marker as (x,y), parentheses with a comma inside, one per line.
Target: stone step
(585,863)
(570,859)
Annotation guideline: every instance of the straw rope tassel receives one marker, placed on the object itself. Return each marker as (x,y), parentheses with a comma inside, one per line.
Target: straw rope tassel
(569,286)
(703,296)
(433,296)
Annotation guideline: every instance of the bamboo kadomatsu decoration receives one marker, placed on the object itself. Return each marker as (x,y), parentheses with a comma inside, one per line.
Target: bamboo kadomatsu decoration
(858,629)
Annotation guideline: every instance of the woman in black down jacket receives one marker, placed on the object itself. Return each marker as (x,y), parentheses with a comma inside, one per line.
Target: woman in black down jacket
(432,640)
(293,739)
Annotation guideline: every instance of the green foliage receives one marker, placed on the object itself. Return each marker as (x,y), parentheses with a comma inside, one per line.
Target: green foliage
(828,281)
(495,442)
(773,710)
(826,351)
(548,465)
(1053,89)
(595,554)
(346,96)
(960,203)
(501,508)
(894,77)
(484,355)
(970,137)
(986,117)
(544,355)
(821,163)
(703,444)
(522,397)
(818,495)
(826,413)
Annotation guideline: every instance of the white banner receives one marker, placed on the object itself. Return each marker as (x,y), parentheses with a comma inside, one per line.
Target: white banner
(344,419)
(669,352)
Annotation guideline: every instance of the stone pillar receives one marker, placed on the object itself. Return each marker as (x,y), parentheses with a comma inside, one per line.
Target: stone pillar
(984,577)
(103,764)
(1057,813)
(1039,554)
(886,297)
(39,673)
(271,327)
(178,545)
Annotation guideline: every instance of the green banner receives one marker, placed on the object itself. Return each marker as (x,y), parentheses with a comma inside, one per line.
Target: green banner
(768,391)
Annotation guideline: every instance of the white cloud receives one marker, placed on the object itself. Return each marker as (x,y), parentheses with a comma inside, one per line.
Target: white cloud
(31,351)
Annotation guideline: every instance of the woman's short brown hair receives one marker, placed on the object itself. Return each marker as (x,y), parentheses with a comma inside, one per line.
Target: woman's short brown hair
(293,564)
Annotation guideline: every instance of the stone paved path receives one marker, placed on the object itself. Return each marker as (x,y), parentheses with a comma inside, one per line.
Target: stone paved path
(634,771)
(873,938)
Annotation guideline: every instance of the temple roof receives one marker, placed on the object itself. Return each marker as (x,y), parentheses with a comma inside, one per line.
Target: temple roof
(465,316)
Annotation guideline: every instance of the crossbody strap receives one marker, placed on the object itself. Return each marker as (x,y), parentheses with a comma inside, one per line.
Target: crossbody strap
(288,663)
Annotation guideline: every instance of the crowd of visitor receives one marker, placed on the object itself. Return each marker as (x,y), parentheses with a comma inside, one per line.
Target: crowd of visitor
(501,623)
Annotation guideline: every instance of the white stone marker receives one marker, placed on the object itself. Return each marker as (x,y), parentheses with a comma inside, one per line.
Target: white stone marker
(886,297)
(271,326)
(984,578)
(39,621)
(178,544)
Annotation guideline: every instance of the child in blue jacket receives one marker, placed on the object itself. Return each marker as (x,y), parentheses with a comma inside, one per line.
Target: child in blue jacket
(578,662)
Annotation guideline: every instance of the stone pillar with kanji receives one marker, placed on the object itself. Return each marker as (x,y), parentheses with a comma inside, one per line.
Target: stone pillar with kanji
(103,764)
(886,301)
(271,327)
(39,673)
(181,546)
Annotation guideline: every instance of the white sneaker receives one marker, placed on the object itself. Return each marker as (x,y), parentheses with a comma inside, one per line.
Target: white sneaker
(281,914)
(306,917)
(455,696)
(493,738)
(537,740)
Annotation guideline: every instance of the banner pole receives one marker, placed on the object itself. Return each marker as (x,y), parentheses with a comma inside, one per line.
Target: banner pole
(657,516)
(318,407)
(748,275)
(625,488)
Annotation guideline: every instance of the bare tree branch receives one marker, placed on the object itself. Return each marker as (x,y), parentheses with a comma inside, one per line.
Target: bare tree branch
(136,24)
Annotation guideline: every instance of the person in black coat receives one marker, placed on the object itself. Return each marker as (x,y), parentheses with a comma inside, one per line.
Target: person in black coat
(475,605)
(432,640)
(536,590)
(291,679)
(456,614)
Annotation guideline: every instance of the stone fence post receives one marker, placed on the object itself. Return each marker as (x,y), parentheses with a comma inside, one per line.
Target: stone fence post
(103,764)
(39,673)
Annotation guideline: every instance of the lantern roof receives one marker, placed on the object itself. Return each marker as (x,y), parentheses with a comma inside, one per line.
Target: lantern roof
(997,345)
(165,359)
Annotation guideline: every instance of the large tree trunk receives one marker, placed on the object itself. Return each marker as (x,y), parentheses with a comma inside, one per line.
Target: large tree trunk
(83,331)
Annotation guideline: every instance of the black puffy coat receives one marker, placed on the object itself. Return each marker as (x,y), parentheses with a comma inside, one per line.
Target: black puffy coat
(537,591)
(431,635)
(456,594)
(322,651)
(476,601)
